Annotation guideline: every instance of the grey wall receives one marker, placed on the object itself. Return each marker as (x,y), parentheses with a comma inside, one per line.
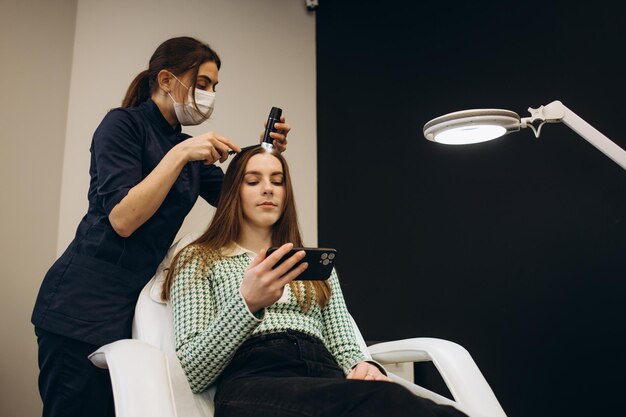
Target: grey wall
(36,42)
(64,64)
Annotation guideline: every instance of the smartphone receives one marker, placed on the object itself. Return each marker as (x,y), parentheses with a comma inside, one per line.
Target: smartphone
(321,262)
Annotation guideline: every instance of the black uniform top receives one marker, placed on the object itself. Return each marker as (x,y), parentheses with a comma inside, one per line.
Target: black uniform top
(90,292)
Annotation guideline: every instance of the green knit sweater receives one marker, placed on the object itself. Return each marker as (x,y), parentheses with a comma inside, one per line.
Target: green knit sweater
(211,318)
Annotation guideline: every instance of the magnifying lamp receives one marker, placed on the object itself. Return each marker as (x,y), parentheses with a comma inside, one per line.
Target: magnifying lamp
(481,125)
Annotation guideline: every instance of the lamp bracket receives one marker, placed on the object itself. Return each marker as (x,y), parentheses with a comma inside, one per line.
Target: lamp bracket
(551,113)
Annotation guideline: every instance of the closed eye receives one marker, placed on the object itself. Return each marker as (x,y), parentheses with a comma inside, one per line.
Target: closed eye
(205,83)
(278,179)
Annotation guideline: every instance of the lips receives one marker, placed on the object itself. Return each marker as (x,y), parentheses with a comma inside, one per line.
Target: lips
(267,204)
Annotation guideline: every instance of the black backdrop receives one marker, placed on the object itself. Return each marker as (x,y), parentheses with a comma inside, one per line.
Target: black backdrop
(515,249)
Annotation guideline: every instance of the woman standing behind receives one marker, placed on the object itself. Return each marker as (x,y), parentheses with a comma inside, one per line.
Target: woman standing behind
(273,346)
(146,176)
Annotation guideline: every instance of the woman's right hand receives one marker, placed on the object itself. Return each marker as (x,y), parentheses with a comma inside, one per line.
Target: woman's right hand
(262,286)
(209,147)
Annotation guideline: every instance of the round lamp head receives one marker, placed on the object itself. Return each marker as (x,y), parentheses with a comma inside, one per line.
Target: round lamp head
(471,126)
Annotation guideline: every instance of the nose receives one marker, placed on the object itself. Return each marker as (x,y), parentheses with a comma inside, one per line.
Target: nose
(268,188)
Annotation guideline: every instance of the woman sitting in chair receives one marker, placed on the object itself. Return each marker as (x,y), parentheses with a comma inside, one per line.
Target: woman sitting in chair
(274,346)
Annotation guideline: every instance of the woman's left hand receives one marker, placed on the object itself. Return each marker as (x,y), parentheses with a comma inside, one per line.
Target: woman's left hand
(280,136)
(367,372)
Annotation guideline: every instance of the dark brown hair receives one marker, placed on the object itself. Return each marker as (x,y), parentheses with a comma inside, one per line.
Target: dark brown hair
(177,55)
(226,226)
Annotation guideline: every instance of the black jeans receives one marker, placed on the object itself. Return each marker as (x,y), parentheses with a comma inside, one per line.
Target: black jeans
(293,375)
(69,384)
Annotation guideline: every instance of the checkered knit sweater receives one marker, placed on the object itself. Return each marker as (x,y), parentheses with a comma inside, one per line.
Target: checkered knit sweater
(211,318)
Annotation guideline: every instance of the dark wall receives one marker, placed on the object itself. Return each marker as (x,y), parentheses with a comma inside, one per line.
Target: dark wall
(516,248)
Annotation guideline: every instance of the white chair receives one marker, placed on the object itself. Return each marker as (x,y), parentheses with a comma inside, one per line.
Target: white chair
(148,380)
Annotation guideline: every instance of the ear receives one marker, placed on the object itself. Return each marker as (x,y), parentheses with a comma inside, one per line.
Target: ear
(164,78)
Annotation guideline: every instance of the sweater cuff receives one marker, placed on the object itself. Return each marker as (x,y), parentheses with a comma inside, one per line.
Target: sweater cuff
(373,362)
(258,316)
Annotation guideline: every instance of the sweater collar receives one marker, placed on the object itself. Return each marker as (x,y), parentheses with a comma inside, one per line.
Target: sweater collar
(235,250)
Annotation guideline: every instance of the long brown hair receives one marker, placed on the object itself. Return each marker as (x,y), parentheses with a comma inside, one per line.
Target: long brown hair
(226,226)
(177,55)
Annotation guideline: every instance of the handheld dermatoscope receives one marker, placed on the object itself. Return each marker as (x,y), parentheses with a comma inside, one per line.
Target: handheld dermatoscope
(267,143)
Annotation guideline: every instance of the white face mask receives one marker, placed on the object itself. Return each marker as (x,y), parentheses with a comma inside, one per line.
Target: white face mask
(187,114)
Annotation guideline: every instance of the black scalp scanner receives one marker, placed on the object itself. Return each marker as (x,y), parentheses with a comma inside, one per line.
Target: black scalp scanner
(268,142)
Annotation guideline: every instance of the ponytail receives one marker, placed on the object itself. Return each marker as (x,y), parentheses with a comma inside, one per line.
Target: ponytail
(138,91)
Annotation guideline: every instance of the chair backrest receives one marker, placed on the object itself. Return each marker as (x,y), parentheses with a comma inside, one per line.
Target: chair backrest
(153,324)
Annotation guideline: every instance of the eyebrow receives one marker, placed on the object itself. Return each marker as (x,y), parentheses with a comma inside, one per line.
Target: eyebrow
(258,173)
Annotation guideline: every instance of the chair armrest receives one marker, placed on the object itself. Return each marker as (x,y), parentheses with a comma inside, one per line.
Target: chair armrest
(140,378)
(457,368)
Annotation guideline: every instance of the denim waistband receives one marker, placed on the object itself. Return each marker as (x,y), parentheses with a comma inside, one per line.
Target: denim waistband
(289,334)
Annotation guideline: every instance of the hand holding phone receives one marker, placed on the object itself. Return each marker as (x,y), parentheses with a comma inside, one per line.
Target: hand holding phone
(263,282)
(321,262)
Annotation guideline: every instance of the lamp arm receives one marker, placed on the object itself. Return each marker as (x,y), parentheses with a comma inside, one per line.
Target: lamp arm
(556,112)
